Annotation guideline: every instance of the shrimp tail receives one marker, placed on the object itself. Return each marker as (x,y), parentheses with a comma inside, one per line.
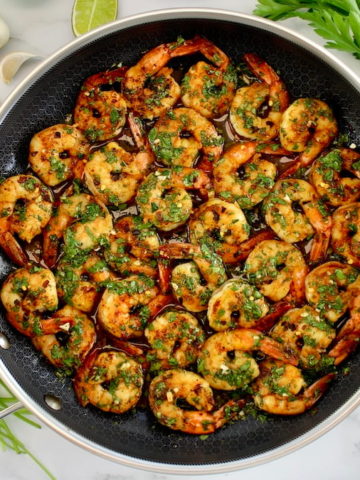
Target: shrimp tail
(278,310)
(238,253)
(313,393)
(274,349)
(158,303)
(13,249)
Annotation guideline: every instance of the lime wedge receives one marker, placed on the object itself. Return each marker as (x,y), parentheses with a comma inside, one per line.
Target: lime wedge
(90,14)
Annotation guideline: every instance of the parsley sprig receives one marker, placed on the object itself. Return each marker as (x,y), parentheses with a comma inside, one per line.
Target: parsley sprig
(338,21)
(8,439)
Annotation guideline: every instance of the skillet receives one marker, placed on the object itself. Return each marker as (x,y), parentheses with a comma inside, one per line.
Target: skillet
(44,99)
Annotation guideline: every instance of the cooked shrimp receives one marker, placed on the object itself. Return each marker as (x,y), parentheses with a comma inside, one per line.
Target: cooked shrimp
(58,153)
(163,199)
(221,225)
(281,389)
(190,289)
(303,332)
(27,295)
(25,208)
(170,145)
(175,338)
(257,109)
(68,348)
(326,176)
(128,304)
(327,289)
(236,304)
(173,385)
(308,126)
(250,187)
(113,175)
(225,372)
(100,109)
(282,215)
(348,338)
(209,89)
(78,281)
(345,233)
(82,221)
(132,247)
(278,270)
(109,380)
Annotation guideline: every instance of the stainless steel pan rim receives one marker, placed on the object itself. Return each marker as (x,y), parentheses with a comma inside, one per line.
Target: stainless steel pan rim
(44,414)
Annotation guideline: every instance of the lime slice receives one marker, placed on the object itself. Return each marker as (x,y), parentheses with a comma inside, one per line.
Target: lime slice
(90,14)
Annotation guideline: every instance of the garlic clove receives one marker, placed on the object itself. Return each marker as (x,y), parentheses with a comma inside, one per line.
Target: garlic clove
(4,33)
(11,63)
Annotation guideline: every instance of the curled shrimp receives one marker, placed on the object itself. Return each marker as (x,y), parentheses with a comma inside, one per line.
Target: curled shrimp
(113,175)
(345,233)
(278,270)
(75,343)
(226,372)
(78,282)
(102,369)
(190,289)
(163,197)
(327,289)
(257,109)
(25,209)
(100,108)
(209,89)
(236,304)
(28,294)
(149,86)
(291,225)
(172,148)
(250,187)
(327,176)
(58,153)
(281,389)
(128,304)
(221,224)
(307,127)
(173,385)
(82,221)
(132,247)
(348,338)
(303,332)
(175,337)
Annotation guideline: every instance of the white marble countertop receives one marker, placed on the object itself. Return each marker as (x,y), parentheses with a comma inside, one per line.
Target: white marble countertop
(42,26)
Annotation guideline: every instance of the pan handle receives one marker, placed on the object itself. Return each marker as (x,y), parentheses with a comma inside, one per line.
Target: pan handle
(13,408)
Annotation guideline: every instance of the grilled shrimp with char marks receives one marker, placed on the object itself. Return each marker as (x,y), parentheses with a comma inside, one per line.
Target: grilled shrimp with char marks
(291,225)
(278,270)
(175,337)
(82,221)
(113,175)
(236,304)
(25,209)
(209,89)
(257,109)
(70,349)
(281,389)
(163,197)
(226,362)
(109,380)
(247,188)
(326,176)
(169,387)
(58,153)
(193,282)
(345,233)
(327,289)
(172,147)
(100,109)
